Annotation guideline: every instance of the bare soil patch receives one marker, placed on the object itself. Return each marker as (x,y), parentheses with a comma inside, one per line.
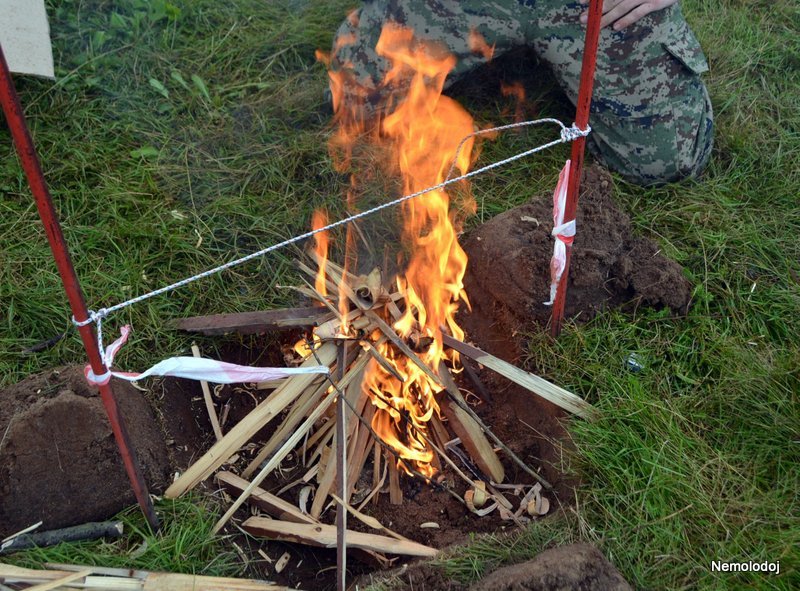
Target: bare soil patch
(58,459)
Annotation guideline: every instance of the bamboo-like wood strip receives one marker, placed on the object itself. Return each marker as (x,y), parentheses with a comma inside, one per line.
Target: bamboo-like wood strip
(300,409)
(250,425)
(355,370)
(120,579)
(252,322)
(325,536)
(539,386)
(212,412)
(262,499)
(472,437)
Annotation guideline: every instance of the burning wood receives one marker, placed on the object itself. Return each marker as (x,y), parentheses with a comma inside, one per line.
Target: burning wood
(390,344)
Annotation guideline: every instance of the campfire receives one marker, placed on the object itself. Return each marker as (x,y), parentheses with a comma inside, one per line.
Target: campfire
(391,342)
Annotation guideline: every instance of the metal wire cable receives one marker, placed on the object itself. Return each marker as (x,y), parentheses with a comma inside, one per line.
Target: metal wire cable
(568,134)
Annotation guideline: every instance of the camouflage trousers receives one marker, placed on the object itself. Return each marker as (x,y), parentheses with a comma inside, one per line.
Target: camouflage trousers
(651,115)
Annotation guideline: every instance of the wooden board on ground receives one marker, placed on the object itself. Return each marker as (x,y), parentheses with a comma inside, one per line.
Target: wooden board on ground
(324,536)
(253,322)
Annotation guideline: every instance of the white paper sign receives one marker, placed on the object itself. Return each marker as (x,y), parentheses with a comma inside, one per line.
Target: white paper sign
(25,37)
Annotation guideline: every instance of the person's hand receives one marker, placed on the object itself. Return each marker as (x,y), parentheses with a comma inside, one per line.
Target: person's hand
(626,12)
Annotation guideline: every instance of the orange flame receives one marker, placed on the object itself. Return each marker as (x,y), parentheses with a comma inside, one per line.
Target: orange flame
(320,220)
(422,130)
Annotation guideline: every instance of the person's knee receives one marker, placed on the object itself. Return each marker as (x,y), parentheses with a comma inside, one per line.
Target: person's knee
(668,144)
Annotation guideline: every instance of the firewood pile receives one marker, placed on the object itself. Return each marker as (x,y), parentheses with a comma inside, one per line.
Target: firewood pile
(411,421)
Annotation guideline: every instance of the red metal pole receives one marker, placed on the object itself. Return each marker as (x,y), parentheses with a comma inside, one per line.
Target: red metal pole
(33,171)
(578,148)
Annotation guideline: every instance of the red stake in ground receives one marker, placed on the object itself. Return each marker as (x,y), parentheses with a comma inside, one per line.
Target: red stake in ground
(578,148)
(33,171)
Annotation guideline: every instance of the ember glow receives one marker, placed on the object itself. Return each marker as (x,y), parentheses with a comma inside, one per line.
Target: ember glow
(421,130)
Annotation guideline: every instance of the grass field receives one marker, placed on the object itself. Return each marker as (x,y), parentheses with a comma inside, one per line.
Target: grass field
(181,135)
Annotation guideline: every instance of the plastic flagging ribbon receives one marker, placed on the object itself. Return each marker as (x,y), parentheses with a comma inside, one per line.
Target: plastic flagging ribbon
(195,368)
(563,233)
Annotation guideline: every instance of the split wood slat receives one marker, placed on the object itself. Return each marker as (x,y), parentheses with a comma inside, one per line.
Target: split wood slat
(357,457)
(123,579)
(353,374)
(250,425)
(471,434)
(300,409)
(324,536)
(377,454)
(262,499)
(356,396)
(395,492)
(252,322)
(212,412)
(71,577)
(539,386)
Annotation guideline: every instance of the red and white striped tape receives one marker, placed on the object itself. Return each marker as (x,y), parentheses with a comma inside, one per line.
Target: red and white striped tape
(195,368)
(564,233)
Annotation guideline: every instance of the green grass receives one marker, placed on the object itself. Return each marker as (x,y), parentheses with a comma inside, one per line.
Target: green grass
(181,546)
(180,136)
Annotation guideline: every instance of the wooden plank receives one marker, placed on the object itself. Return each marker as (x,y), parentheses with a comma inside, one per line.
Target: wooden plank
(262,499)
(324,536)
(471,434)
(252,322)
(539,386)
(262,414)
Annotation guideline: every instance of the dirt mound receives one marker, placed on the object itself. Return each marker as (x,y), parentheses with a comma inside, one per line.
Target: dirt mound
(58,459)
(579,567)
(508,275)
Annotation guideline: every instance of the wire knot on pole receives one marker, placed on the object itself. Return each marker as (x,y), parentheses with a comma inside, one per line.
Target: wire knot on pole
(569,134)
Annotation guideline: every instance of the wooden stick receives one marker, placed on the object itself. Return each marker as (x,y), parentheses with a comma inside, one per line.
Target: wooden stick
(250,425)
(123,579)
(86,531)
(558,396)
(251,322)
(395,492)
(465,426)
(341,477)
(325,536)
(305,403)
(476,381)
(458,400)
(400,343)
(384,363)
(265,501)
(290,443)
(355,398)
(212,412)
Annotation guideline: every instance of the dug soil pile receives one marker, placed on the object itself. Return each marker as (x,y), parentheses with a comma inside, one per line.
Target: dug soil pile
(59,463)
(508,277)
